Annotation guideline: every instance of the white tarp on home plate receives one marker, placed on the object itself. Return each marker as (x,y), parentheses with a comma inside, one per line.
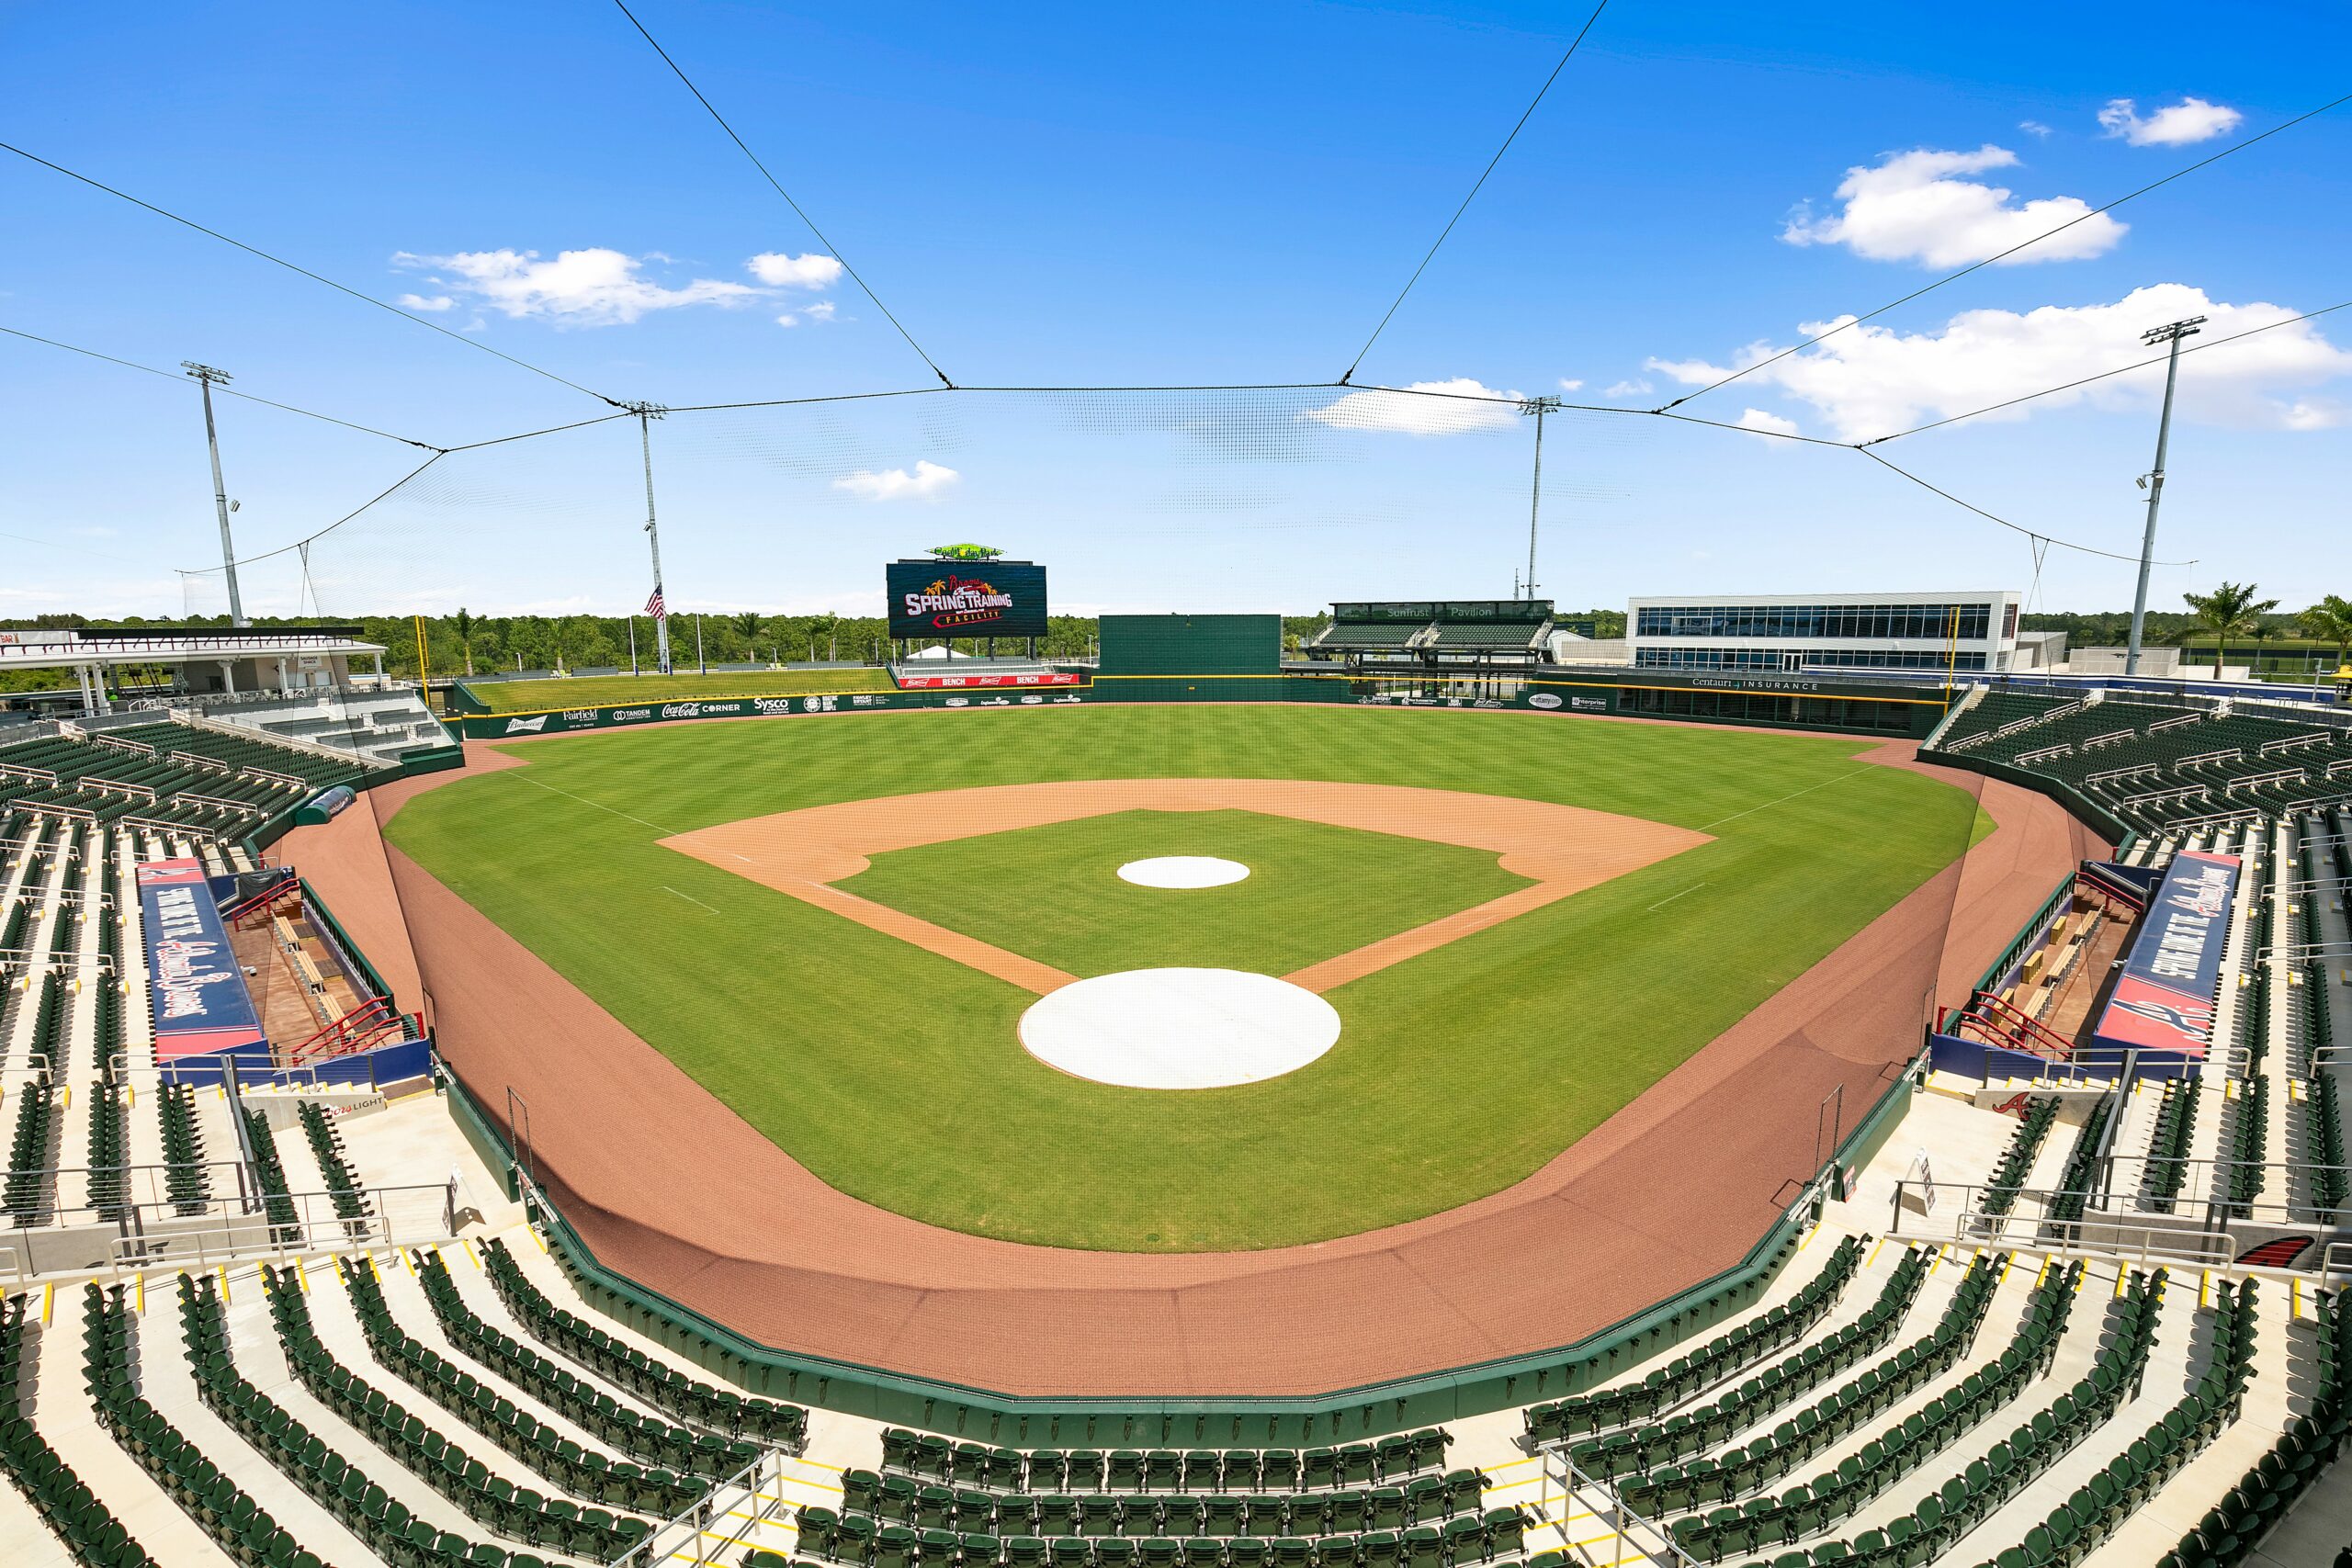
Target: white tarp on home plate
(1179,1028)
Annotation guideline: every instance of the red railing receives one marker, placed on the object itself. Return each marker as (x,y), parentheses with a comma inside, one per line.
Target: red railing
(1999,1022)
(359,1030)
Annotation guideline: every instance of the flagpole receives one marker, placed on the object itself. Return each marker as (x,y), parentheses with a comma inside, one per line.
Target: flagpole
(646,413)
(632,644)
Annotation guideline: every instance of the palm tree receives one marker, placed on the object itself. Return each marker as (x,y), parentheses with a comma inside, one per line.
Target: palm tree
(2230,610)
(2329,620)
(466,626)
(748,623)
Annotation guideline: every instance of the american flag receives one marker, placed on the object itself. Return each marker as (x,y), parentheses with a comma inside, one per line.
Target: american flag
(653,605)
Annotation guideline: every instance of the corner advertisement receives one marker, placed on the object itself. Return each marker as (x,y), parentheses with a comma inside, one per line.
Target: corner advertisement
(196,987)
(2165,995)
(942,598)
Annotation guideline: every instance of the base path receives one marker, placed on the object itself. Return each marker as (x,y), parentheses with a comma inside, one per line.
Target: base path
(1561,848)
(670,1186)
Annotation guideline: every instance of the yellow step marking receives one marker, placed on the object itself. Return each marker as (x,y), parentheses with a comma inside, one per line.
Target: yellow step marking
(472,1257)
(1874,1257)
(48,1301)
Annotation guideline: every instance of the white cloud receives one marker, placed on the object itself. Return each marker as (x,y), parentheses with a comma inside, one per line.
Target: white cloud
(419,302)
(1630,390)
(586,287)
(1870,381)
(819,310)
(896,484)
(2174,125)
(2033,128)
(1767,423)
(787,319)
(1571,383)
(2314,414)
(1447,408)
(1910,207)
(778,270)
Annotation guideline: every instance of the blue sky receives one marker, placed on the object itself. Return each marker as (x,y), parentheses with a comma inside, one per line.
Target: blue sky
(1081,195)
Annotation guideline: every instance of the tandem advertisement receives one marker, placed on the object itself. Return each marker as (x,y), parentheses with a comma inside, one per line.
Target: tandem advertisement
(945,598)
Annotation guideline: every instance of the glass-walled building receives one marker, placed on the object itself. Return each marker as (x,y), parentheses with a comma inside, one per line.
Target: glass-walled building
(1971,632)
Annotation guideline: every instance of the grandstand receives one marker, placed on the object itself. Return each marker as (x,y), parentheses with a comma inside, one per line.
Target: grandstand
(1465,637)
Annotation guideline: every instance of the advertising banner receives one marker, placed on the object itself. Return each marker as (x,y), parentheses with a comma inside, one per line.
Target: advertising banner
(938,598)
(929,682)
(201,1005)
(515,727)
(2163,999)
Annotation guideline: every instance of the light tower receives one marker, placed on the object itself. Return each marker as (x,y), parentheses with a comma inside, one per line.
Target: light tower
(2171,334)
(205,376)
(657,605)
(1537,408)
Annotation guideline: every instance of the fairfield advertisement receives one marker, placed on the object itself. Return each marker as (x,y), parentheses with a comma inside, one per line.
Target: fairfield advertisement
(2164,998)
(199,990)
(945,598)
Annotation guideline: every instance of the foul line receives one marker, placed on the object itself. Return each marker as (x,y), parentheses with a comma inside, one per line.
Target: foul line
(1672,897)
(688,897)
(1790,796)
(601,806)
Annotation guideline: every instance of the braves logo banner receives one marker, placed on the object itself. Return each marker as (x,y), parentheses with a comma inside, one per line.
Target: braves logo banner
(196,987)
(998,598)
(2164,999)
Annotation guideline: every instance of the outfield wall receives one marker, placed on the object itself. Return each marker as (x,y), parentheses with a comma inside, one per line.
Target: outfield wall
(1769,702)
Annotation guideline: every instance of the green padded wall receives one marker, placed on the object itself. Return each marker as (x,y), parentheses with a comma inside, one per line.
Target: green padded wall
(1191,644)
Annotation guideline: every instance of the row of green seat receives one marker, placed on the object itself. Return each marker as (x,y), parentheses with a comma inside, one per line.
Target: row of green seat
(25,1194)
(935,1457)
(344,1489)
(2168,1169)
(1636,1450)
(221,1508)
(82,1523)
(1749,1342)
(2235,1526)
(187,1180)
(685,1460)
(2017,1159)
(1861,1478)
(657,1383)
(2081,1161)
(1677,1489)
(326,1146)
(1499,1534)
(1961,1504)
(109,1156)
(1428,1499)
(2250,1138)
(269,1171)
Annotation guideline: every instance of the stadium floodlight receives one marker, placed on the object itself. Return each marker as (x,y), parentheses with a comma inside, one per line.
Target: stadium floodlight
(1535,408)
(2152,482)
(206,376)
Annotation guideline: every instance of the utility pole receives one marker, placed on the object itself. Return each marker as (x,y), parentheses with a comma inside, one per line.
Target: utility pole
(658,605)
(2154,483)
(205,376)
(1538,406)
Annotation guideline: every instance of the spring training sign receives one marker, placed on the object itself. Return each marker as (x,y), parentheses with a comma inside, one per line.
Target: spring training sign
(2164,999)
(196,987)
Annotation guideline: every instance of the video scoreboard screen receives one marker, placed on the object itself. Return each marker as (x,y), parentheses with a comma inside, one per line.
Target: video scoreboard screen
(946,598)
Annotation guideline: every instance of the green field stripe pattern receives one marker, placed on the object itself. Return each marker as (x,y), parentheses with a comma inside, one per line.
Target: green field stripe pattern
(1053,893)
(1459,1071)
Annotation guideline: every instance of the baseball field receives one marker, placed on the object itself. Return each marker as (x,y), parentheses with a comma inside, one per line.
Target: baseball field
(836,925)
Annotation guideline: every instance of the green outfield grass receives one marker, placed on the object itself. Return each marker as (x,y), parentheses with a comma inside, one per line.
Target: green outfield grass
(1054,893)
(611,691)
(896,1076)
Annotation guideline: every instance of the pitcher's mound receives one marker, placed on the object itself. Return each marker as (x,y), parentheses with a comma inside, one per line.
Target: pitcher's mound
(1182,871)
(1179,1028)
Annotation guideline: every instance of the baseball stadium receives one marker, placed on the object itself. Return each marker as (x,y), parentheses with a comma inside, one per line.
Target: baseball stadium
(1130,1057)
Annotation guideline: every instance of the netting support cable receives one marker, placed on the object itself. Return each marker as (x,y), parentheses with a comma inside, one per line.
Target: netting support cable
(304,543)
(777,186)
(305,272)
(1520,125)
(1994,517)
(225,391)
(1848,323)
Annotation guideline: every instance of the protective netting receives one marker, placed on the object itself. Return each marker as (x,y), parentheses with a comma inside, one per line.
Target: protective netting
(1136,499)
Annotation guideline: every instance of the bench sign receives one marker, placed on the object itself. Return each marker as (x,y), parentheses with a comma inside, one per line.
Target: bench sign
(2166,997)
(198,992)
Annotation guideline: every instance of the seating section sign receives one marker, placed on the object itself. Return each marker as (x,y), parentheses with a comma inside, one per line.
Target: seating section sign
(201,1005)
(2164,998)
